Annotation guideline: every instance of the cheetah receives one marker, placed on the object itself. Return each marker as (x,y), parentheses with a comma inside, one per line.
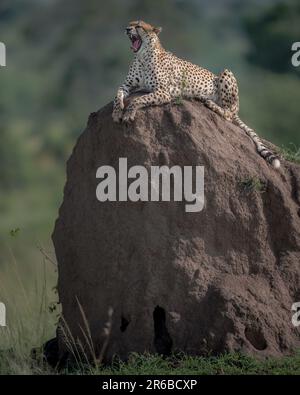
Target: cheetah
(164,77)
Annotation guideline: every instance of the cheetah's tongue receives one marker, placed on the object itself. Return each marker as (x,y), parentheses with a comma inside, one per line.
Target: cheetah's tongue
(136,43)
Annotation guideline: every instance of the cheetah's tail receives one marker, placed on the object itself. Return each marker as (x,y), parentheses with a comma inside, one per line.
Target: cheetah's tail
(268,155)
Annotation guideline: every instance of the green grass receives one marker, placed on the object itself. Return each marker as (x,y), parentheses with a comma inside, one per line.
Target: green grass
(27,290)
(251,184)
(227,364)
(291,153)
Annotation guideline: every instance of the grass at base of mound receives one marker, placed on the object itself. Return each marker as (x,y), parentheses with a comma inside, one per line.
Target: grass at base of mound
(146,364)
(227,364)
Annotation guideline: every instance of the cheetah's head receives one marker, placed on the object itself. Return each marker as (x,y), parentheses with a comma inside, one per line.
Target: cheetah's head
(142,34)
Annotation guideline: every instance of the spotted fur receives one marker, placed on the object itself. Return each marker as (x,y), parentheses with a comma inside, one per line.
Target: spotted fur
(166,77)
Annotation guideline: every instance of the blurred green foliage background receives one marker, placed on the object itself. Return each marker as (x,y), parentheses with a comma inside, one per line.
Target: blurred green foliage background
(66,58)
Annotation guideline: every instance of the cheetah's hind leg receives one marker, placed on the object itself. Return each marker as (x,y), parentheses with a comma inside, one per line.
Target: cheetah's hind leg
(229,96)
(228,93)
(223,112)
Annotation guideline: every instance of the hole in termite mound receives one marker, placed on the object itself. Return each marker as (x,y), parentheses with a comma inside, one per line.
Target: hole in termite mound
(124,324)
(256,338)
(162,339)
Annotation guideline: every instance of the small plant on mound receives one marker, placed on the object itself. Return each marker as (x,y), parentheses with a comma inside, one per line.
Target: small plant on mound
(178,101)
(252,184)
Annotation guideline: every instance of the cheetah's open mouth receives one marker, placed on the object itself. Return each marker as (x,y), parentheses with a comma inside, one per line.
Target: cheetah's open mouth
(136,42)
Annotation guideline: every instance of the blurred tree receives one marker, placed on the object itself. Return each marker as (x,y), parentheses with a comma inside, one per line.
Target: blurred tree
(13,161)
(272,34)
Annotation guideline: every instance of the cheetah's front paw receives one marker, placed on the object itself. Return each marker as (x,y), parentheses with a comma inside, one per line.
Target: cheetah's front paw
(117,113)
(129,114)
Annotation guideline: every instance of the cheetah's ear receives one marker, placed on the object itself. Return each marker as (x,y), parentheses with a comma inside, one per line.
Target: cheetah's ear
(157,30)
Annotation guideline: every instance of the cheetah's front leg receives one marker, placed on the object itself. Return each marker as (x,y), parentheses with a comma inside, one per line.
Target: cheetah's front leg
(154,98)
(118,106)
